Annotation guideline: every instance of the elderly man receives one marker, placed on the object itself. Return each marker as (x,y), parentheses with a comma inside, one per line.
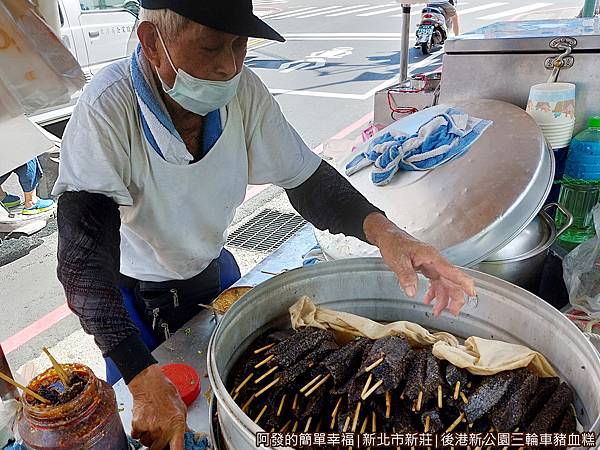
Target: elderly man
(156,159)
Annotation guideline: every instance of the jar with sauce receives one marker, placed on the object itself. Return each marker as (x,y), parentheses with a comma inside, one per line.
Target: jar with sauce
(84,416)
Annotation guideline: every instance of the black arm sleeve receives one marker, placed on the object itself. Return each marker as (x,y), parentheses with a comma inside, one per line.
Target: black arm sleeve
(88,268)
(329,201)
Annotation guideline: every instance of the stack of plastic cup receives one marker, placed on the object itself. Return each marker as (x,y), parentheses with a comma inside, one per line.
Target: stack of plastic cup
(552,105)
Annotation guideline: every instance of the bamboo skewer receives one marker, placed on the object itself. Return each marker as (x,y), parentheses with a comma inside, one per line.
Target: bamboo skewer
(464,398)
(318,385)
(427,423)
(24,389)
(440,399)
(262,349)
(419,401)
(267,387)
(281,405)
(307,426)
(318,429)
(363,427)
(456,390)
(243,383)
(337,407)
(266,374)
(310,383)
(346,423)
(455,423)
(355,420)
(236,396)
(64,377)
(373,422)
(260,414)
(375,364)
(367,384)
(264,361)
(295,427)
(295,403)
(248,402)
(286,426)
(371,390)
(388,404)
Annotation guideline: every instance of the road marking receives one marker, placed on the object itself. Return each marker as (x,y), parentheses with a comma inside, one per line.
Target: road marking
(342,39)
(313,14)
(462,12)
(381,11)
(514,12)
(359,10)
(289,12)
(36,328)
(396,35)
(323,94)
(344,36)
(280,17)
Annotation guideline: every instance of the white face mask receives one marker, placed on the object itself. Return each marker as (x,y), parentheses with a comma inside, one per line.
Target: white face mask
(197,95)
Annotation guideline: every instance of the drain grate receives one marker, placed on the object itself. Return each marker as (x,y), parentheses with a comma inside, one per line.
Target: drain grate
(266,231)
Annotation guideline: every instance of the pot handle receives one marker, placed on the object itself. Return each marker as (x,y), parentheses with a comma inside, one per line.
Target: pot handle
(564,211)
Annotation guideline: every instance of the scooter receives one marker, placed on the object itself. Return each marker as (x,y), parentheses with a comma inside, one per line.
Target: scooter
(432,30)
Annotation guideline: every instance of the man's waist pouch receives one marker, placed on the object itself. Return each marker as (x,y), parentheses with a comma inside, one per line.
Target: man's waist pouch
(167,305)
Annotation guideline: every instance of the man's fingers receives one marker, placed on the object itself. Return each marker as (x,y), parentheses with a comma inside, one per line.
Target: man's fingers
(441,299)
(177,442)
(160,444)
(456,276)
(407,276)
(136,433)
(457,300)
(429,295)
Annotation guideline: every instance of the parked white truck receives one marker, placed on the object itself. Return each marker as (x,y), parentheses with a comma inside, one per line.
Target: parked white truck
(97,32)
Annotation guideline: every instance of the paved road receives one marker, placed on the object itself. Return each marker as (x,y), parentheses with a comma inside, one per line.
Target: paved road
(337,55)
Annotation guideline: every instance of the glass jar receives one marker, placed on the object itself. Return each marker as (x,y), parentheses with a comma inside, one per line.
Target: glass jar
(89,421)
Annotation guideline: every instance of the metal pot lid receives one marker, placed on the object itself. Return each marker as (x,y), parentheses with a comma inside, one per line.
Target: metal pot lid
(476,204)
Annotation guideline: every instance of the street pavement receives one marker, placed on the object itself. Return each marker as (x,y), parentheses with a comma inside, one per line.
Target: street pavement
(337,55)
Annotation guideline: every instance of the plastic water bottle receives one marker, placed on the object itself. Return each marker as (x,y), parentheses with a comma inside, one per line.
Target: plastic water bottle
(580,186)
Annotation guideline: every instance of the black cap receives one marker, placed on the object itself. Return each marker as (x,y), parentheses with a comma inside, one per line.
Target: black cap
(230,16)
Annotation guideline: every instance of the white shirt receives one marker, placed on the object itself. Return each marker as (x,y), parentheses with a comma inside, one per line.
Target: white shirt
(175,215)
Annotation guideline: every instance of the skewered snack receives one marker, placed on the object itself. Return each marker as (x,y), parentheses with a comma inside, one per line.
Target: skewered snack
(552,412)
(385,385)
(507,414)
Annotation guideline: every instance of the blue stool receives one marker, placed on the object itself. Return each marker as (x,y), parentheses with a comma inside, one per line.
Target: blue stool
(230,273)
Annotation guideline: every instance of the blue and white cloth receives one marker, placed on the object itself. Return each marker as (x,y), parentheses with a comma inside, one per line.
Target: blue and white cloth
(156,123)
(446,136)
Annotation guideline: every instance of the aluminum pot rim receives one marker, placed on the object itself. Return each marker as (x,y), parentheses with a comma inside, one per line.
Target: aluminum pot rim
(248,428)
(537,251)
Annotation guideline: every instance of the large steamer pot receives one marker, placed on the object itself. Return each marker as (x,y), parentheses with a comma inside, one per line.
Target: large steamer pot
(522,261)
(367,287)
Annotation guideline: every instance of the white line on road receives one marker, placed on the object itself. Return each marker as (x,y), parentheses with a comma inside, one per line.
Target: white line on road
(374,13)
(320,13)
(302,13)
(306,93)
(342,39)
(359,10)
(342,34)
(462,12)
(306,9)
(514,12)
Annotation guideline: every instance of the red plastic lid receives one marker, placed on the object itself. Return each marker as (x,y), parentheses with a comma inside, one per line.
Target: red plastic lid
(185,379)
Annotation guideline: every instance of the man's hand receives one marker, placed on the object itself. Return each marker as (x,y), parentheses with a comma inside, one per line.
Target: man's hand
(405,255)
(159,414)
